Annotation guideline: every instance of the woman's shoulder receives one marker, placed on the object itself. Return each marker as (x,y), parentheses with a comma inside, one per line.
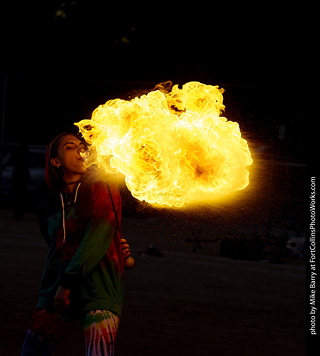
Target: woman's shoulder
(105,188)
(100,182)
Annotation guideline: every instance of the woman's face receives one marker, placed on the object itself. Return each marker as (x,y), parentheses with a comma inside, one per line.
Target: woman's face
(69,157)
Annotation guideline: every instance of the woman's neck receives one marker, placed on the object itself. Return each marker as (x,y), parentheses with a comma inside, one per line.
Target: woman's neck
(70,183)
(70,187)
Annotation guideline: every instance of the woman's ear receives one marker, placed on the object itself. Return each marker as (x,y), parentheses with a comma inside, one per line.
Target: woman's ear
(55,162)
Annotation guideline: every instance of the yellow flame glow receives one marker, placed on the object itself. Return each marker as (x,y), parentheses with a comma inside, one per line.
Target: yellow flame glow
(169,146)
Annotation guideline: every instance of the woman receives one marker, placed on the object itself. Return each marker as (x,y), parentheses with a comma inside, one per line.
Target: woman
(84,269)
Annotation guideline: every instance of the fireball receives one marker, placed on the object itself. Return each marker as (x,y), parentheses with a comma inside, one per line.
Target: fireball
(169,145)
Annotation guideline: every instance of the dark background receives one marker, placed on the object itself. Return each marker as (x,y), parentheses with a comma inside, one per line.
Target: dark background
(239,42)
(61,59)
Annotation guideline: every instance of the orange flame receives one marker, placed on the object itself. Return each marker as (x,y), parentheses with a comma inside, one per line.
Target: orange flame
(169,145)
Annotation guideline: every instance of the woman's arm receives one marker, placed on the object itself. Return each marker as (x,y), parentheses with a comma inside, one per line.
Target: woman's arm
(61,299)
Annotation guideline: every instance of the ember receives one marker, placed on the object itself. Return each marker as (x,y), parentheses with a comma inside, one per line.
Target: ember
(170,145)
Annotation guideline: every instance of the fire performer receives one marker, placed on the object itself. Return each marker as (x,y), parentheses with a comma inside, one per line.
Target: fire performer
(84,271)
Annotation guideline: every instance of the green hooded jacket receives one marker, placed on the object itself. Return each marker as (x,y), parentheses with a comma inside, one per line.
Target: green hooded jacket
(85,252)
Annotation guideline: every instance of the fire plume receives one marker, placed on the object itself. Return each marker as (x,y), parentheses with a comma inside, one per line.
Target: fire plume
(169,145)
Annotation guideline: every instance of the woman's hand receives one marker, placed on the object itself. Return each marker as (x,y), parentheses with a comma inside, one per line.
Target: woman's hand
(125,248)
(61,299)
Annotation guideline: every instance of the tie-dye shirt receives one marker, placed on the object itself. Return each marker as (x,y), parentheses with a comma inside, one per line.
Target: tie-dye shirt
(85,253)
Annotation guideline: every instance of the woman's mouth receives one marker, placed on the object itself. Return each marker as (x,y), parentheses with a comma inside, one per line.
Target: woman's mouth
(83,156)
